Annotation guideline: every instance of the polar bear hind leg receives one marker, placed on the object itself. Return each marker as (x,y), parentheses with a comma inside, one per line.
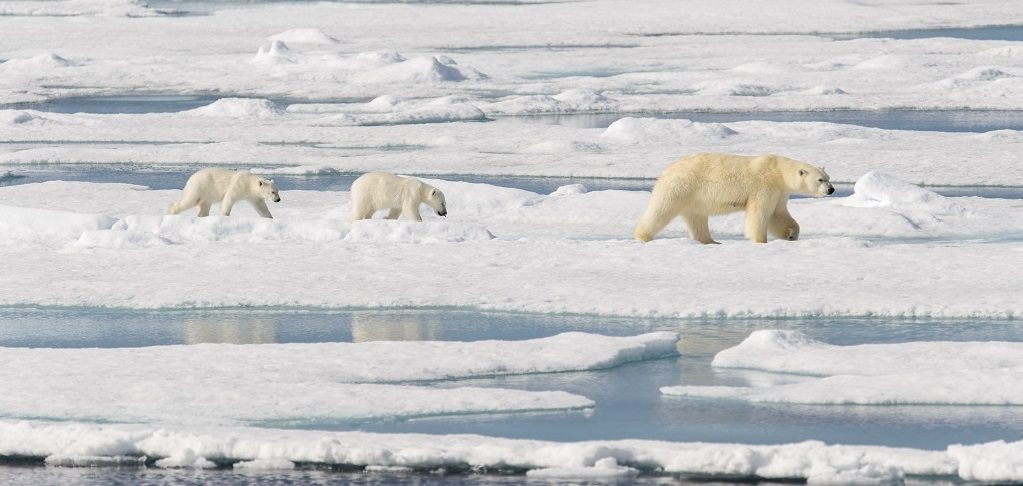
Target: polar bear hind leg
(699,228)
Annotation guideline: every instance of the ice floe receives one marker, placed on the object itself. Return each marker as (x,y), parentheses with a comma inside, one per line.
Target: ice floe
(282,383)
(506,241)
(814,461)
(914,373)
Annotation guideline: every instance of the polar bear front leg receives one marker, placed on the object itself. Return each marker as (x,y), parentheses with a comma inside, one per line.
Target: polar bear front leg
(226,205)
(781,224)
(394,213)
(411,211)
(261,208)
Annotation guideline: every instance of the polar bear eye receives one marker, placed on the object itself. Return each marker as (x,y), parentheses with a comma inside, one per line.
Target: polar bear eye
(820,180)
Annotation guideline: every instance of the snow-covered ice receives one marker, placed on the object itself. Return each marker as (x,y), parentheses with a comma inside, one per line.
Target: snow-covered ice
(913,373)
(333,382)
(200,446)
(322,89)
(510,243)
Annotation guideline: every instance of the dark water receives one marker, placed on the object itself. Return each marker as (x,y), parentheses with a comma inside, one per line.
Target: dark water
(629,404)
(993,32)
(920,120)
(174,177)
(62,476)
(978,121)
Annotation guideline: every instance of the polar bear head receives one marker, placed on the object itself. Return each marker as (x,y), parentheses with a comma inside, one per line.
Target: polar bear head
(815,182)
(435,199)
(267,189)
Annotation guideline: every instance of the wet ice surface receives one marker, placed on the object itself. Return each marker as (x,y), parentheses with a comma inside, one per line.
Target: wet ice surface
(629,404)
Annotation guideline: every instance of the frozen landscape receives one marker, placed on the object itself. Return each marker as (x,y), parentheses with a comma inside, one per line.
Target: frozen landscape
(525,338)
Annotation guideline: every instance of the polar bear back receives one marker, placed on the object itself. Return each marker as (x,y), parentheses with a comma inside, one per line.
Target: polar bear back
(213,183)
(381,190)
(716,183)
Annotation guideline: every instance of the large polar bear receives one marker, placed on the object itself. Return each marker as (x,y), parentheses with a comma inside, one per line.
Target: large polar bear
(227,187)
(401,195)
(704,184)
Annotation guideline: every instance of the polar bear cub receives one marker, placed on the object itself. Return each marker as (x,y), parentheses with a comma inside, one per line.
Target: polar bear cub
(401,195)
(227,187)
(706,184)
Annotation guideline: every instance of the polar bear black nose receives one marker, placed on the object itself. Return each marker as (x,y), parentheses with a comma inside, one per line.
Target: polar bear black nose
(831,190)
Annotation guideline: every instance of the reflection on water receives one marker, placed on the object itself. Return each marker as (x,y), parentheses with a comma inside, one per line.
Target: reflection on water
(229,329)
(367,326)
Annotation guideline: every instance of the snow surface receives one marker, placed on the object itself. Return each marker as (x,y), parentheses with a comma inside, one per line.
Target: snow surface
(914,373)
(326,88)
(279,383)
(197,447)
(915,253)
(405,136)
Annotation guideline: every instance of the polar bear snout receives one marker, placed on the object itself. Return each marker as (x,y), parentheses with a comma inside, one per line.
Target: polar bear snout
(442,212)
(831,189)
(277,198)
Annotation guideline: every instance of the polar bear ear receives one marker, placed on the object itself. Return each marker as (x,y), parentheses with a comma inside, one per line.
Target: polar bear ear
(802,172)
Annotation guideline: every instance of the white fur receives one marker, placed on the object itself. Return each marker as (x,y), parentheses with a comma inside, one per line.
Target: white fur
(705,184)
(401,195)
(209,186)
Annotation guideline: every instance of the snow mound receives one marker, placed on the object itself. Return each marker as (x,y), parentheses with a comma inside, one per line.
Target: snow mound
(955,373)
(875,189)
(569,190)
(414,232)
(985,73)
(885,62)
(561,147)
(304,36)
(145,230)
(44,61)
(642,130)
(380,57)
(18,117)
(384,103)
(998,461)
(277,53)
(570,101)
(420,70)
(20,224)
(1007,51)
(239,108)
(811,460)
(737,89)
(794,352)
(825,90)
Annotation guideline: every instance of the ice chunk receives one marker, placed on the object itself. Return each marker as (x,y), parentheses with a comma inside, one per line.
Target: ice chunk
(812,460)
(936,373)
(239,108)
(642,130)
(306,35)
(876,189)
